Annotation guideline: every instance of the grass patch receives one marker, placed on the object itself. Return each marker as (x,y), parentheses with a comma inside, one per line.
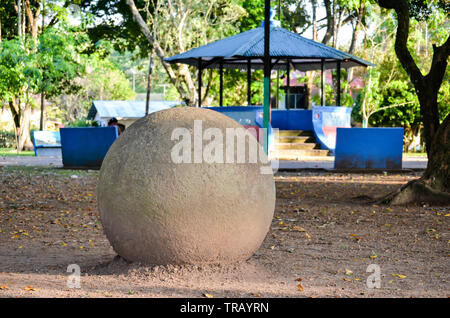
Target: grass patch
(11,152)
(46,171)
(415,154)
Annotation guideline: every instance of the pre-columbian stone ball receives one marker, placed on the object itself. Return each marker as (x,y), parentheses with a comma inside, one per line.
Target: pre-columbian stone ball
(186,186)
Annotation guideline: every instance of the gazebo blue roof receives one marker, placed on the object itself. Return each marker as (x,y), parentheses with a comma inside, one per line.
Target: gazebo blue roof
(126,109)
(235,52)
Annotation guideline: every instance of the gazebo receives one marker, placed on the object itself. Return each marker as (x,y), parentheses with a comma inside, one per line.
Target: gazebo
(288,51)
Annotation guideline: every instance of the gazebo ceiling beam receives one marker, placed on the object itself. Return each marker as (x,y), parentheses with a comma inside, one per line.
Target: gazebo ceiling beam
(278,63)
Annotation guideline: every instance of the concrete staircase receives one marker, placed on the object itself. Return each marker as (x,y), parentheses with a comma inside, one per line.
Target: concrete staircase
(297,145)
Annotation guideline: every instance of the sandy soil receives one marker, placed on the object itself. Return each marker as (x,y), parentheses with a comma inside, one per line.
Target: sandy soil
(322,239)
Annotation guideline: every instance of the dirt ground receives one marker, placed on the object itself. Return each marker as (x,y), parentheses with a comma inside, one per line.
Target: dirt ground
(321,242)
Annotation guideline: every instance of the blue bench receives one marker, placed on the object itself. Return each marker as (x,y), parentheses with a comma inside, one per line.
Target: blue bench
(47,143)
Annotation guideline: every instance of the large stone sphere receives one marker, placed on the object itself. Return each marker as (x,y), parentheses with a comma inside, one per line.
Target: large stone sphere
(157,210)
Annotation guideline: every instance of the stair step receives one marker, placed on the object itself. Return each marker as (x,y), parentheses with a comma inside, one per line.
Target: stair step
(296,139)
(296,146)
(289,154)
(295,133)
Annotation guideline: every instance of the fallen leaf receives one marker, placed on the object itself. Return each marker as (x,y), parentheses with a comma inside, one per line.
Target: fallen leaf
(3,287)
(298,228)
(348,272)
(299,287)
(29,288)
(208,295)
(298,279)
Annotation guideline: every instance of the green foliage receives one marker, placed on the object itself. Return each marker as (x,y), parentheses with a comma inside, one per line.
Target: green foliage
(254,14)
(7,139)
(49,66)
(444,98)
(388,97)
(124,34)
(106,81)
(424,9)
(293,14)
(11,152)
(18,70)
(407,114)
(103,80)
(8,18)
(57,59)
(82,122)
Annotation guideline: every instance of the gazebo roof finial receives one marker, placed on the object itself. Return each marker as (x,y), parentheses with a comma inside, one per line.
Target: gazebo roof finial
(273,22)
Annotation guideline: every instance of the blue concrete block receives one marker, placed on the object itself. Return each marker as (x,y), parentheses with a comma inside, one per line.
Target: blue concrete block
(369,148)
(85,147)
(293,119)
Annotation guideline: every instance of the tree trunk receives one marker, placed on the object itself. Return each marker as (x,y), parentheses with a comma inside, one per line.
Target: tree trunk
(33,18)
(21,117)
(183,72)
(356,28)
(314,19)
(426,86)
(438,168)
(149,83)
(433,186)
(330,22)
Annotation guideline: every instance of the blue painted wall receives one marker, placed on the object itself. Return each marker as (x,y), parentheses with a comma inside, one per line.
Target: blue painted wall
(369,148)
(293,119)
(87,146)
(247,116)
(244,115)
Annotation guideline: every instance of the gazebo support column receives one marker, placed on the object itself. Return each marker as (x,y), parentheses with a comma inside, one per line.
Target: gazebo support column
(249,82)
(200,82)
(288,83)
(267,61)
(338,75)
(221,83)
(322,83)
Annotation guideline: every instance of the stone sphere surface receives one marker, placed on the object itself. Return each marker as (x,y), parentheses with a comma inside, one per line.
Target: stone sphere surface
(157,211)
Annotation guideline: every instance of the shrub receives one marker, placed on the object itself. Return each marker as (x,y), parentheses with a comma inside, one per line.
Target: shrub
(7,139)
(83,122)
